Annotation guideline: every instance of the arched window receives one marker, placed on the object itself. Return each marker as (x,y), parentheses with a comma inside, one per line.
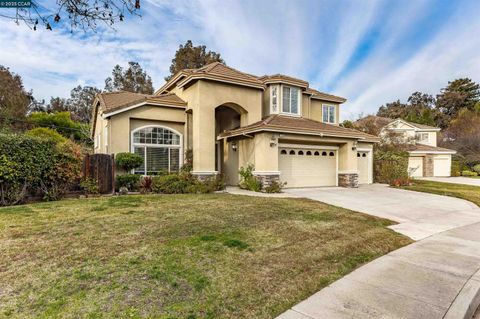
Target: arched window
(292,152)
(283,152)
(324,153)
(364,155)
(331,154)
(358,154)
(160,147)
(300,152)
(316,153)
(309,153)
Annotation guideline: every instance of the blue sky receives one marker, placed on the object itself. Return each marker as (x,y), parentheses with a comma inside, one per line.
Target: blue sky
(370,52)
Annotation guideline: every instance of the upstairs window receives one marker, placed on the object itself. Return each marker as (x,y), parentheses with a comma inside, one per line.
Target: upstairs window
(290,100)
(421,137)
(274,99)
(328,113)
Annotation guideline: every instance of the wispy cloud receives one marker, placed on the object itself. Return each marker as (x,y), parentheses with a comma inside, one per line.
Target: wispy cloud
(371,52)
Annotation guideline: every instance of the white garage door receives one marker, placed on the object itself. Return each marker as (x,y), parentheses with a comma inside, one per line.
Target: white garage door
(441,165)
(308,167)
(415,166)
(363,167)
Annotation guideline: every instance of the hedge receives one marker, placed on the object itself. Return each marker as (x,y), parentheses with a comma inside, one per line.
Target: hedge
(390,166)
(31,165)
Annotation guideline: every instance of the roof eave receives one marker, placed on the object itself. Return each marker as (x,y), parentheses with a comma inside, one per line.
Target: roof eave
(219,79)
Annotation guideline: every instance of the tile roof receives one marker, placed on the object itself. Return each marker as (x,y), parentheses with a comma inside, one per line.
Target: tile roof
(281,78)
(299,125)
(221,72)
(325,96)
(427,148)
(114,101)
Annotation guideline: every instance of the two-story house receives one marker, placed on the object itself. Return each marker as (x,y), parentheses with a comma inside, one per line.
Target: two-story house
(426,158)
(230,119)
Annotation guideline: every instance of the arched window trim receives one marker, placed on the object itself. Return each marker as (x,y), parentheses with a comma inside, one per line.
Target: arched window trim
(179,146)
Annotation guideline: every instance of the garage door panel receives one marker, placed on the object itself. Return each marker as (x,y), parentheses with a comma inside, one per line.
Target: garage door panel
(415,166)
(442,165)
(363,159)
(308,170)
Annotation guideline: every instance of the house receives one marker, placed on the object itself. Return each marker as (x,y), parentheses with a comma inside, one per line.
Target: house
(426,158)
(229,119)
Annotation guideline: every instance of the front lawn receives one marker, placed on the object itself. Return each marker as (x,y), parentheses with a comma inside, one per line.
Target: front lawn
(178,256)
(468,192)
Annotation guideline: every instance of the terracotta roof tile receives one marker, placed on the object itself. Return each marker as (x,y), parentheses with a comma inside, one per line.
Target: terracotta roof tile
(299,125)
(325,96)
(283,78)
(114,101)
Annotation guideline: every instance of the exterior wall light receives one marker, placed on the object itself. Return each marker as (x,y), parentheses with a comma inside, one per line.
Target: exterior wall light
(234,146)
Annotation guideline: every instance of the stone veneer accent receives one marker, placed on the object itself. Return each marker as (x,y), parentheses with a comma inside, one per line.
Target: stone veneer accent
(349,180)
(267,179)
(204,176)
(428,166)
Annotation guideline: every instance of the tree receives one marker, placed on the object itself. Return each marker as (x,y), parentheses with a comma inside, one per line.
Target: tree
(57,104)
(463,135)
(133,79)
(81,101)
(393,110)
(191,57)
(14,99)
(83,14)
(458,94)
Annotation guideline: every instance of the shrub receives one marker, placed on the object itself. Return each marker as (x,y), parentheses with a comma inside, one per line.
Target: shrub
(248,180)
(390,165)
(456,168)
(130,181)
(184,182)
(37,166)
(62,123)
(476,168)
(469,173)
(47,134)
(128,161)
(275,187)
(89,186)
(146,184)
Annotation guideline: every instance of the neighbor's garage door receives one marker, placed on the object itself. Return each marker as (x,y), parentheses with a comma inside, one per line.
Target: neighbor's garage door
(363,167)
(441,165)
(415,166)
(308,167)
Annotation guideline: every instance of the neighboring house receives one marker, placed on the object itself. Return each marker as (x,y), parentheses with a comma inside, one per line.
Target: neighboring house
(426,159)
(230,119)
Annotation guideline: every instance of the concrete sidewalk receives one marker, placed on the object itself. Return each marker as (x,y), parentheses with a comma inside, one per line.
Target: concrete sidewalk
(454,180)
(436,277)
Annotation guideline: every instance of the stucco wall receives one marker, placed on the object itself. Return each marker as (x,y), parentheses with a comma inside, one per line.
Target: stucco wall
(122,124)
(210,95)
(316,110)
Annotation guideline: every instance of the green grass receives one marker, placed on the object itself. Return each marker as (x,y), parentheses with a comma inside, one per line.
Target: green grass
(468,192)
(178,256)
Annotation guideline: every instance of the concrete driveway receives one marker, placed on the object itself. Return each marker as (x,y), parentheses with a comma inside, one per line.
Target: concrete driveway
(436,277)
(455,180)
(419,214)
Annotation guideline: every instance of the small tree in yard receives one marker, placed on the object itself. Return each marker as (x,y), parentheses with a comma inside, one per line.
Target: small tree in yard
(127,162)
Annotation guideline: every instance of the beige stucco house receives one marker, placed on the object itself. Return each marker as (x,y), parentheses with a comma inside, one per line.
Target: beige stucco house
(426,158)
(230,119)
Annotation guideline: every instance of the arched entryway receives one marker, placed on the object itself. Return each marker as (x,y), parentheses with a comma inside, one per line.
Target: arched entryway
(227,117)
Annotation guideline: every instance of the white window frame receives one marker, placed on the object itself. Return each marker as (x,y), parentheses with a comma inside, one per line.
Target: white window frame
(329,108)
(299,101)
(145,145)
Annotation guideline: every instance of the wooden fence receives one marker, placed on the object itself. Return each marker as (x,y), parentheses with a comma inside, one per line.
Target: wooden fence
(100,167)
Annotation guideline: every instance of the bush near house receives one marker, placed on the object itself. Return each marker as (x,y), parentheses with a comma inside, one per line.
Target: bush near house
(248,180)
(31,165)
(128,161)
(185,183)
(476,168)
(467,173)
(130,181)
(391,167)
(62,123)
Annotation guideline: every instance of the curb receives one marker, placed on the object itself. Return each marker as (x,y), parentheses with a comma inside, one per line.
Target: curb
(467,300)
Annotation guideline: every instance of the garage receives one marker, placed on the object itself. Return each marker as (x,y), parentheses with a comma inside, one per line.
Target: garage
(308,167)
(415,166)
(363,167)
(442,165)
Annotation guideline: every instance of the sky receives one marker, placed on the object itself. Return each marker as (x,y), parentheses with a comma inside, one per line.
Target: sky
(370,52)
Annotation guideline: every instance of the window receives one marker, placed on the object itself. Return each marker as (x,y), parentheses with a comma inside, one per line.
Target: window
(316,153)
(324,153)
(160,149)
(283,152)
(274,98)
(290,100)
(292,152)
(331,154)
(300,152)
(309,153)
(421,137)
(328,113)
